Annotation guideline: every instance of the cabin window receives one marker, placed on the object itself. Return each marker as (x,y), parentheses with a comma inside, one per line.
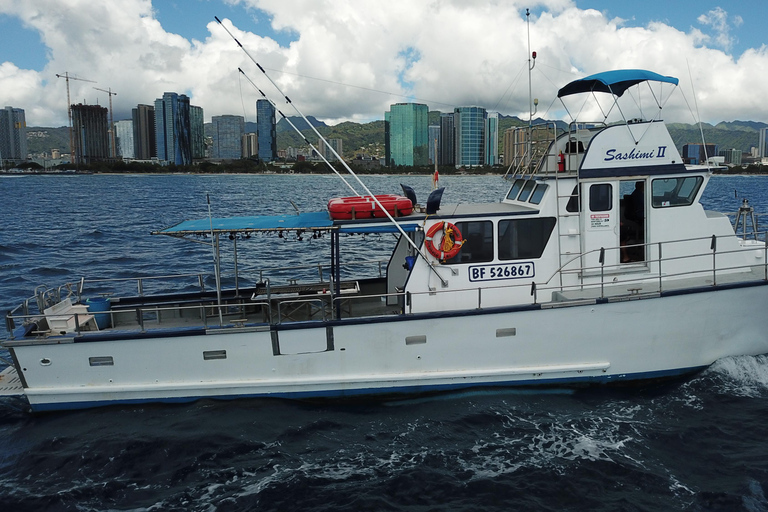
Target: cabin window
(601,197)
(524,238)
(574,202)
(680,191)
(527,189)
(574,146)
(538,193)
(515,190)
(478,242)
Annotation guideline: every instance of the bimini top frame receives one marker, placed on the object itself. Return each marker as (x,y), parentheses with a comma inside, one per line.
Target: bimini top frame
(613,82)
(310,221)
(616,83)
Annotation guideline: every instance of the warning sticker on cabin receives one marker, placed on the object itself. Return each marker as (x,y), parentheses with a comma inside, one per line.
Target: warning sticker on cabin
(599,220)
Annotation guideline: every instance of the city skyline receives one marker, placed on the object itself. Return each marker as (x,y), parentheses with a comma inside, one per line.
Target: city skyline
(350,60)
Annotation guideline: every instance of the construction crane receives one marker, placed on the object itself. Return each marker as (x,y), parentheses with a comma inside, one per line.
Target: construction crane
(113,148)
(72,154)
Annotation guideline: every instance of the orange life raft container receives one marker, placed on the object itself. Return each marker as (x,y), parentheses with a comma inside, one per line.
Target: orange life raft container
(345,208)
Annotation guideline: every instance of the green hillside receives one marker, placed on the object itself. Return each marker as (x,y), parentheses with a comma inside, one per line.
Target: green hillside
(736,135)
(42,140)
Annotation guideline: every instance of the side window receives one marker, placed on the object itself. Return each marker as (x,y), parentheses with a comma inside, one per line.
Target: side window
(515,190)
(681,191)
(524,238)
(538,193)
(478,242)
(527,189)
(574,202)
(601,197)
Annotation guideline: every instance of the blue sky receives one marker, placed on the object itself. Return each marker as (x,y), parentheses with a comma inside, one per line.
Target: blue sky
(189,18)
(683,14)
(350,59)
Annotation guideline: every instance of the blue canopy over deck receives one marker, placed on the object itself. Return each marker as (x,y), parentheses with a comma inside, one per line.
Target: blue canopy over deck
(613,82)
(311,221)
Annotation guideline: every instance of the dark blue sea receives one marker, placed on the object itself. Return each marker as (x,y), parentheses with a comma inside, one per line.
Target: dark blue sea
(700,443)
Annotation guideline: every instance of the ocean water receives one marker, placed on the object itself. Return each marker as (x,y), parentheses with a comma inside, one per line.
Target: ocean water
(699,443)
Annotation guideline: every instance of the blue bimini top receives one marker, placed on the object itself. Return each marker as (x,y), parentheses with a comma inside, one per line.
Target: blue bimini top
(613,82)
(310,221)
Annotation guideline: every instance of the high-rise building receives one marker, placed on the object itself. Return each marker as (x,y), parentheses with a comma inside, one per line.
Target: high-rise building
(732,156)
(762,147)
(13,135)
(227,134)
(173,129)
(325,150)
(447,140)
(697,154)
(492,139)
(514,147)
(124,138)
(266,130)
(434,143)
(197,132)
(90,129)
(470,136)
(249,145)
(408,128)
(144,138)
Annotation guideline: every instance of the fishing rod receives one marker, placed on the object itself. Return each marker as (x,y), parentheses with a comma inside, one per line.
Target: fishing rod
(373,197)
(300,134)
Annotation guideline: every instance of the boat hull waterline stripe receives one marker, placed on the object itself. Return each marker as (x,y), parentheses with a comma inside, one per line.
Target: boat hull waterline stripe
(382,391)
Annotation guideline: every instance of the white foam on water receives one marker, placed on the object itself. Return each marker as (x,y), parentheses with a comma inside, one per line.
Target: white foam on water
(745,376)
(553,443)
(755,501)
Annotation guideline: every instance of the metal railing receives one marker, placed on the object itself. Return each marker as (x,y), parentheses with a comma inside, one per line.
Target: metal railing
(601,281)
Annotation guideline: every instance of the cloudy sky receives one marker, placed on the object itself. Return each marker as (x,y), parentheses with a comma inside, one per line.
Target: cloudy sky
(350,59)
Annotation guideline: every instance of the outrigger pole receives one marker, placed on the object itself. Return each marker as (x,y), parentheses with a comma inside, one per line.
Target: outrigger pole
(301,134)
(375,199)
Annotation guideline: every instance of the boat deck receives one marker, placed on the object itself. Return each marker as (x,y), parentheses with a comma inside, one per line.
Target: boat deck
(10,383)
(644,286)
(313,302)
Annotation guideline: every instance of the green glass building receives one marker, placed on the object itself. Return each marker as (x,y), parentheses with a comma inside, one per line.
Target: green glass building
(407,134)
(470,125)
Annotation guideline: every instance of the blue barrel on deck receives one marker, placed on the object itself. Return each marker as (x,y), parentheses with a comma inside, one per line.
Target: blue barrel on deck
(96,305)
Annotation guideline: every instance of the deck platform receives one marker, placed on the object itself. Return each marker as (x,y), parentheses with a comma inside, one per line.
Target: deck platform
(10,383)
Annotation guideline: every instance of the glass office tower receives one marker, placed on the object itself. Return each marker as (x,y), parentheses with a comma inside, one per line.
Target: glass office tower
(227,137)
(408,134)
(470,136)
(266,130)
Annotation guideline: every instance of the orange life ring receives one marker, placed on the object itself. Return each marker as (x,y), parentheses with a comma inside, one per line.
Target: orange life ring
(450,244)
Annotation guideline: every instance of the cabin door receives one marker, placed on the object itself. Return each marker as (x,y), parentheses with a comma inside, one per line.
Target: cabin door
(600,225)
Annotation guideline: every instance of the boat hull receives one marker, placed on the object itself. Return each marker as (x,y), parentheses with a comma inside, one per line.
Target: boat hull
(599,342)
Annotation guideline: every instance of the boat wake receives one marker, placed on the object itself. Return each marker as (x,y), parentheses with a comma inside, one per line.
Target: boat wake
(743,376)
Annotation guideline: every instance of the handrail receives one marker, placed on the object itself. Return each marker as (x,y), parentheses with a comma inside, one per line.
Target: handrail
(602,271)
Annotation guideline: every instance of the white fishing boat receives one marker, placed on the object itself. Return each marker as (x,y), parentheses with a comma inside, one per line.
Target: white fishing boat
(600,265)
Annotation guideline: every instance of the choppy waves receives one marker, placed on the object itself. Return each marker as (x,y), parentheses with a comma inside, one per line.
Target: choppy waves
(693,444)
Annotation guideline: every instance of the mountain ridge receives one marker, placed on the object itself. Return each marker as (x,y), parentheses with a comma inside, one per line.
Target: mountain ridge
(368,138)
